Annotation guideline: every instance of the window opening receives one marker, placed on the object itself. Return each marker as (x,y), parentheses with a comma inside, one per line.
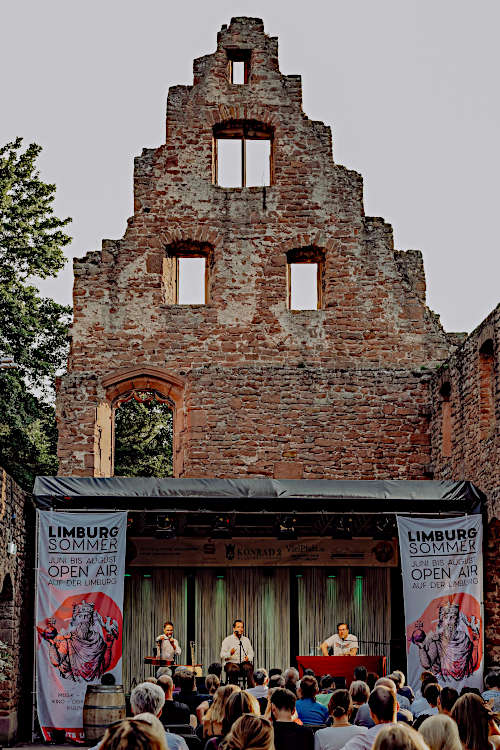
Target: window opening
(486,389)
(303,286)
(239,65)
(446,441)
(143,429)
(238,72)
(242,155)
(191,281)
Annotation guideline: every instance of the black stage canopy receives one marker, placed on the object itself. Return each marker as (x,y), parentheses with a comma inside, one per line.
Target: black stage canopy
(264,495)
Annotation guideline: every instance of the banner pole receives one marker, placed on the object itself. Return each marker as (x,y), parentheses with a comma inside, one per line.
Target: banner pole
(35,634)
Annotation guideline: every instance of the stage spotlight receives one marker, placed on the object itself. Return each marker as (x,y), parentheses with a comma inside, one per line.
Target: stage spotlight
(286,527)
(221,528)
(342,527)
(384,527)
(165,527)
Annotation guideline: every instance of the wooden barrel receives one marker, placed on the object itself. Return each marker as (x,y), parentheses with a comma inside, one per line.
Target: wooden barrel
(103,705)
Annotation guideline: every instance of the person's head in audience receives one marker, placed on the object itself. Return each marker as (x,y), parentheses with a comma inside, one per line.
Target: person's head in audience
(440,732)
(467,689)
(386,682)
(216,711)
(273,671)
(261,677)
(187,681)
(360,673)
(491,681)
(383,704)
(446,700)
(247,732)
(237,704)
(163,670)
(177,674)
(277,681)
(359,692)
(371,679)
(399,737)
(153,680)
(426,674)
(395,677)
(143,732)
(167,684)
(108,679)
(473,720)
(291,678)
(326,684)
(309,673)
(215,668)
(147,698)
(431,694)
(282,703)
(401,675)
(308,688)
(212,682)
(340,706)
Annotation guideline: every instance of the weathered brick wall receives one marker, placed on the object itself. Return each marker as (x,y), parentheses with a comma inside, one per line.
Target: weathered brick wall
(474,445)
(346,376)
(16,602)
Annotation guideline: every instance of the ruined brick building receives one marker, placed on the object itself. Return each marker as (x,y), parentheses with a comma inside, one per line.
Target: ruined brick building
(367,385)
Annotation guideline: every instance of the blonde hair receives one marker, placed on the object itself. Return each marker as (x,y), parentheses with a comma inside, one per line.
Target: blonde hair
(216,710)
(399,737)
(441,733)
(143,732)
(250,731)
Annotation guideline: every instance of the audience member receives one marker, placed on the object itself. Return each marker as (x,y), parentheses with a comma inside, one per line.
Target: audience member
(215,668)
(287,733)
(475,723)
(143,732)
(153,680)
(108,679)
(211,724)
(441,732)
(468,689)
(492,692)
(174,712)
(403,689)
(147,698)
(308,709)
(446,700)
(360,673)
(250,732)
(326,688)
(188,693)
(291,678)
(431,695)
(359,692)
(399,737)
(212,683)
(371,679)
(276,681)
(273,671)
(341,731)
(383,707)
(364,717)
(420,704)
(261,678)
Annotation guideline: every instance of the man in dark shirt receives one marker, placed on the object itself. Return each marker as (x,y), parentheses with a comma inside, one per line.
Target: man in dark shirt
(173,712)
(188,693)
(288,734)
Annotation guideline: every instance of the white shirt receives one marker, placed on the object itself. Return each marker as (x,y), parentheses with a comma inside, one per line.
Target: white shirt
(233,642)
(259,691)
(342,646)
(365,741)
(166,649)
(334,738)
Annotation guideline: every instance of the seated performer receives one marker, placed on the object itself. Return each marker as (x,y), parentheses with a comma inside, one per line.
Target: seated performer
(236,654)
(168,646)
(344,644)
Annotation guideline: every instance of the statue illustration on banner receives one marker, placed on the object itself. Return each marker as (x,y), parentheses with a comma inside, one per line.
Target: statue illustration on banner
(448,636)
(85,649)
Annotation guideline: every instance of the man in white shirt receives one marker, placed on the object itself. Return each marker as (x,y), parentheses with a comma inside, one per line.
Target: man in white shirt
(383,706)
(236,654)
(344,644)
(168,645)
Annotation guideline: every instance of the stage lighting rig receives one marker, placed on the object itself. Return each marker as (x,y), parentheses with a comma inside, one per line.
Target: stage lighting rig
(286,527)
(385,527)
(221,528)
(165,527)
(343,527)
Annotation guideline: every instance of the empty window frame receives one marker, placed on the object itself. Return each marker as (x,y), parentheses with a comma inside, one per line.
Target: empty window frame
(305,268)
(185,275)
(238,66)
(242,155)
(486,389)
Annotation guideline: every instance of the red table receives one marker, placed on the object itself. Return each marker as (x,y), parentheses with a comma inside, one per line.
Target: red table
(342,666)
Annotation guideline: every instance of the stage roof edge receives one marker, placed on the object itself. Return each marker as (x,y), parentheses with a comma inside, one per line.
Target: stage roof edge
(139,493)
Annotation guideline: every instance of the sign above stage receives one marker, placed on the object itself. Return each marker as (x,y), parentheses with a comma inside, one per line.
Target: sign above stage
(185,552)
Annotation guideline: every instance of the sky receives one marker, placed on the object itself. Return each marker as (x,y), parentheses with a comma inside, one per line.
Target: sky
(409,88)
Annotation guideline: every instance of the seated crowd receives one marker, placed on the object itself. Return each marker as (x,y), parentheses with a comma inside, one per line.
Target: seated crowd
(282,712)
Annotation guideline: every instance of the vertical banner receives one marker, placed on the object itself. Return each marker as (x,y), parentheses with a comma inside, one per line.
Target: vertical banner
(442,567)
(81,567)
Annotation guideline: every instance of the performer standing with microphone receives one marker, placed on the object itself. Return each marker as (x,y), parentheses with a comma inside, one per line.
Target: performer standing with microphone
(168,645)
(236,654)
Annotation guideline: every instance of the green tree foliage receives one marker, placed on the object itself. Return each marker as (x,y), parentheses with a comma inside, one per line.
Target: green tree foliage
(33,329)
(143,439)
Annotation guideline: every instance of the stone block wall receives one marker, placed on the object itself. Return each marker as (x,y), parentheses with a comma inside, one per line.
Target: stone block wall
(465,438)
(17,521)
